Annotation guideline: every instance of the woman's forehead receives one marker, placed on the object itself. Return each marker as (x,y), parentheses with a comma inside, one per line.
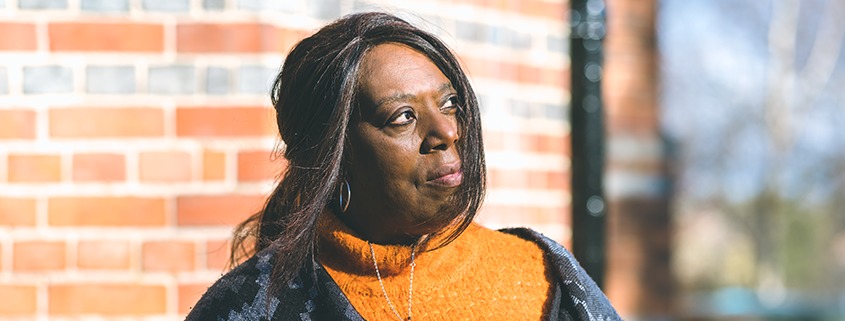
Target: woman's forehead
(394,71)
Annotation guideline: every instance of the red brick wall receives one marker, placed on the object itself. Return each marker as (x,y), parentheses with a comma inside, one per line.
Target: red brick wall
(135,133)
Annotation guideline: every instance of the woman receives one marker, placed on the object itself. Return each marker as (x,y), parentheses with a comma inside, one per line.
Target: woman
(373,217)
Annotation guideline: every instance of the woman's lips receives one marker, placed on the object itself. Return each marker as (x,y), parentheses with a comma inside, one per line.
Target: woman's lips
(447,176)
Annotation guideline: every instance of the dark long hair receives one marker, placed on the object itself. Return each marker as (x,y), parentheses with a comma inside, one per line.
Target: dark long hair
(314,97)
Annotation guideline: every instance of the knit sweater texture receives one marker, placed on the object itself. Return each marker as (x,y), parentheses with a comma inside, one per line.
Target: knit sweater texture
(245,292)
(482,275)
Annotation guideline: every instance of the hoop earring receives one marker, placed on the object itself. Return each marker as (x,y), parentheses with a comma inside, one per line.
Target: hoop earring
(343,202)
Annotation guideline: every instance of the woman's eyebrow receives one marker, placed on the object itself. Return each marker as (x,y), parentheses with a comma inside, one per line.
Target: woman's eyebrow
(445,87)
(394,98)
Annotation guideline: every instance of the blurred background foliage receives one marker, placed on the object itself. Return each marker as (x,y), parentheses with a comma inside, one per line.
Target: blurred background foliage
(753,106)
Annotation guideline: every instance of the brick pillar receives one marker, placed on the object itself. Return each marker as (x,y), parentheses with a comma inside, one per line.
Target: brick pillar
(639,281)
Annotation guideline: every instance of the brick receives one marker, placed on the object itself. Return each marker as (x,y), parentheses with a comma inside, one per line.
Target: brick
(17,299)
(189,294)
(106,299)
(213,166)
(508,178)
(557,145)
(216,80)
(105,5)
(216,210)
(542,8)
(507,37)
(527,74)
(217,254)
(17,36)
(106,211)
(42,4)
(506,71)
(256,79)
(103,255)
(172,80)
(552,77)
(110,79)
(214,5)
(472,31)
(537,180)
(509,213)
(38,256)
(519,40)
(230,38)
(264,5)
(254,5)
(47,80)
(4,81)
(171,256)
(166,5)
(532,142)
(106,122)
(34,168)
(324,9)
(632,125)
(286,39)
(557,44)
(99,168)
(559,180)
(521,108)
(361,6)
(123,36)
(473,67)
(258,166)
(17,124)
(556,111)
(17,211)
(225,121)
(165,167)
(494,140)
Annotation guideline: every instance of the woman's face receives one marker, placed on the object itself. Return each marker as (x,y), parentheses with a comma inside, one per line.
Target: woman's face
(404,162)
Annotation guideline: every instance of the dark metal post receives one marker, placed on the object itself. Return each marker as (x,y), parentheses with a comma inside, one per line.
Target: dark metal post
(587,19)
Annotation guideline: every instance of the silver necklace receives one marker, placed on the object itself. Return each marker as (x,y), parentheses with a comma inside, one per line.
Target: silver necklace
(410,285)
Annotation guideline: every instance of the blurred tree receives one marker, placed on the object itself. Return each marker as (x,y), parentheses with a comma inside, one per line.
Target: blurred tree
(753,98)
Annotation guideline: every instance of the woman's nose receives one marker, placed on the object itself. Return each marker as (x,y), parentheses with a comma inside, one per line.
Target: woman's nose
(441,132)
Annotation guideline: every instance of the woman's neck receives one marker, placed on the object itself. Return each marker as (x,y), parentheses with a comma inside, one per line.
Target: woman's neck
(349,249)
(381,237)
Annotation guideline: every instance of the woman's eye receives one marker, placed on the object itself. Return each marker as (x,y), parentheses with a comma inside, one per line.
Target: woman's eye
(451,104)
(406,117)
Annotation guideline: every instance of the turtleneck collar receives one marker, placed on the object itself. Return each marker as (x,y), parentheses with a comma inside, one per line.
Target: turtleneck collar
(353,252)
(344,250)
(480,275)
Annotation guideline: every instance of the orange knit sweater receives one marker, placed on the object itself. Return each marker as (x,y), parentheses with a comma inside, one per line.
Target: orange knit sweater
(482,275)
